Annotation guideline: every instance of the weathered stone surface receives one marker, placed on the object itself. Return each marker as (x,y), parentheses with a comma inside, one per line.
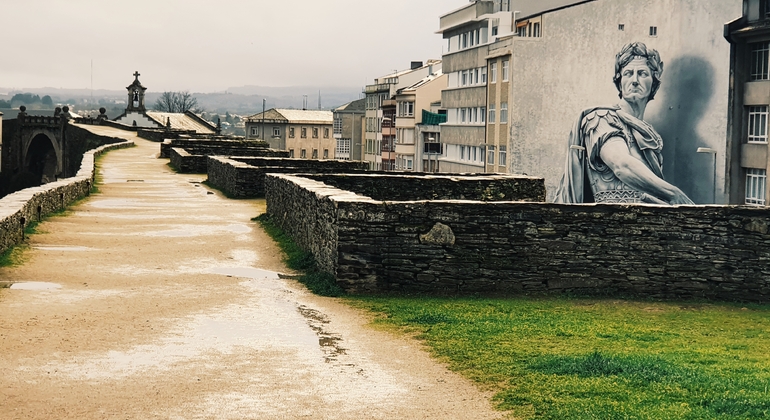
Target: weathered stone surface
(514,247)
(441,235)
(32,204)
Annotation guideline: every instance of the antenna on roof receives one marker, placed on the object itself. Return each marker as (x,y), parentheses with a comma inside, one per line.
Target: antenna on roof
(319,99)
(304,102)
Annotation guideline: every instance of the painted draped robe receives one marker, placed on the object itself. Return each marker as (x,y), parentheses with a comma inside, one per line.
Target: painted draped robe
(587,178)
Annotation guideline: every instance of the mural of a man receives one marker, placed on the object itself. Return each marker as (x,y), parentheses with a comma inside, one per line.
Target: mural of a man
(614,156)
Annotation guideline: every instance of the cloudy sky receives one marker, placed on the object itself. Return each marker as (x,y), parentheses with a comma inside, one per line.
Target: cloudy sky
(208,46)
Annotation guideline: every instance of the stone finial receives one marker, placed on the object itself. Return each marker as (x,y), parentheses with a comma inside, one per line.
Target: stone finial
(22,112)
(441,234)
(102,114)
(57,111)
(168,123)
(219,126)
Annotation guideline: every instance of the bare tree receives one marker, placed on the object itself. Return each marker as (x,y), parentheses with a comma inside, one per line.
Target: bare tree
(176,102)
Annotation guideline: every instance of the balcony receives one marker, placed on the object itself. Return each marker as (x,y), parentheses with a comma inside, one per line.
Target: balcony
(382,87)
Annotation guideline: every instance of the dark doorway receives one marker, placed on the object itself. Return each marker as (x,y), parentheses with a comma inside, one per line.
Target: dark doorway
(41,159)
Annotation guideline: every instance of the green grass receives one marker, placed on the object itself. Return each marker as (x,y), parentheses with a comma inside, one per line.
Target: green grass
(318,282)
(561,358)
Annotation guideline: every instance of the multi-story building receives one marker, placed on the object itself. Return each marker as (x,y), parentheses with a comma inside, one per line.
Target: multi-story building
(747,135)
(545,65)
(379,148)
(468,31)
(428,139)
(349,130)
(306,134)
(410,102)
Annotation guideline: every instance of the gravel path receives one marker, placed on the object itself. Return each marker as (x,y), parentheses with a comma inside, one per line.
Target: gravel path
(158,298)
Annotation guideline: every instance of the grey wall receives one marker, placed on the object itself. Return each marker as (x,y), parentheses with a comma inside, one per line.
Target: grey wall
(509,247)
(571,67)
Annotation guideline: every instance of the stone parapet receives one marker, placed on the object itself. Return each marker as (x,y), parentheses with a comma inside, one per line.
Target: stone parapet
(32,204)
(244,177)
(508,247)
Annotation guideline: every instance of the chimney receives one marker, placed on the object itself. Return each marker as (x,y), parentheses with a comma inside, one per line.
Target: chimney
(416,65)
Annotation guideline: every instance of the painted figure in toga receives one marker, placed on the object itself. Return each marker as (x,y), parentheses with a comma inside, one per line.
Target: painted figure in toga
(613,155)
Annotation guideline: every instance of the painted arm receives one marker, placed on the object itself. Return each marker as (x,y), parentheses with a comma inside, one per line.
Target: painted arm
(637,175)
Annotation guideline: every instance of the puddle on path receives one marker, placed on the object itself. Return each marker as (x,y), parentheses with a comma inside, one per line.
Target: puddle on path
(63,248)
(35,286)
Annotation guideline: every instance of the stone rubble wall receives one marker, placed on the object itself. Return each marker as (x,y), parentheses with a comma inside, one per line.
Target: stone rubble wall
(465,247)
(33,204)
(218,146)
(238,178)
(401,187)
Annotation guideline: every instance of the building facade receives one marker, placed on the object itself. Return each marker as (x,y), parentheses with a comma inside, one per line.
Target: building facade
(379,147)
(349,130)
(747,135)
(306,134)
(410,102)
(564,66)
(468,32)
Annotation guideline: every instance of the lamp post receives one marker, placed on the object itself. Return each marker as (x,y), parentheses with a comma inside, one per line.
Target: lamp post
(712,152)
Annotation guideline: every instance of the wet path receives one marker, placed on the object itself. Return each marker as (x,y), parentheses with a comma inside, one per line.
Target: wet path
(158,298)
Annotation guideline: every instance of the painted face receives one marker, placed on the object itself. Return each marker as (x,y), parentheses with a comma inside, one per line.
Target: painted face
(636,80)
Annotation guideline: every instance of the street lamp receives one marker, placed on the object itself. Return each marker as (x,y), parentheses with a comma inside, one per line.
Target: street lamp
(712,152)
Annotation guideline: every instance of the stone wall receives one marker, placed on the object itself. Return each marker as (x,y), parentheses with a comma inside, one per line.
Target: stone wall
(504,247)
(217,147)
(244,177)
(184,162)
(32,204)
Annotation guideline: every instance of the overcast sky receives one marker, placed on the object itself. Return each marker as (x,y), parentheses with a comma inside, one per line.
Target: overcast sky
(210,45)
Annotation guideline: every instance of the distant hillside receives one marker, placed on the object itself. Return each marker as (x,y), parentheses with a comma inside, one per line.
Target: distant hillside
(244,100)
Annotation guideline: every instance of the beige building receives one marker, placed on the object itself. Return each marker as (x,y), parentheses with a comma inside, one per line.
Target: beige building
(747,135)
(306,134)
(565,65)
(411,101)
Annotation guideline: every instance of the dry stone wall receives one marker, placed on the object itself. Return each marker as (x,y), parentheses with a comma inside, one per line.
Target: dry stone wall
(32,204)
(504,247)
(244,177)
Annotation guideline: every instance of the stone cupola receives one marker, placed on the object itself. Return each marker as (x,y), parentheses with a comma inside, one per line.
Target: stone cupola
(136,95)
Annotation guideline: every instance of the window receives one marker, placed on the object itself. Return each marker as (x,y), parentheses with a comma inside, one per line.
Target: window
(276,131)
(326,132)
(522,30)
(476,76)
(291,132)
(315,132)
(492,118)
(254,131)
(409,164)
(758,124)
(337,124)
(291,153)
(326,153)
(464,78)
(653,31)
(464,38)
(483,115)
(462,115)
(503,113)
(759,59)
(406,109)
(343,148)
(756,182)
(503,155)
(303,132)
(493,73)
(303,153)
(483,75)
(506,69)
(536,29)
(315,153)
(494,30)
(621,27)
(491,155)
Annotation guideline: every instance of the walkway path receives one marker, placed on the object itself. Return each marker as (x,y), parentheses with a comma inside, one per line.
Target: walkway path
(158,299)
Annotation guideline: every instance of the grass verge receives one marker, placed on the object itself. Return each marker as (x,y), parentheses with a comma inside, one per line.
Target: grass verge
(316,281)
(561,358)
